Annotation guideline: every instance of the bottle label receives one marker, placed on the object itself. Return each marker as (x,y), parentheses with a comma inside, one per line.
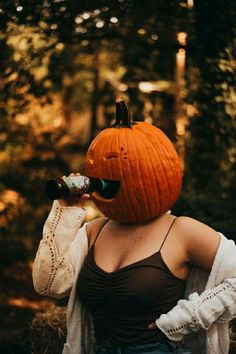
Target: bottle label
(77,184)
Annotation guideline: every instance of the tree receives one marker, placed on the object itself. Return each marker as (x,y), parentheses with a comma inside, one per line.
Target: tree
(211,153)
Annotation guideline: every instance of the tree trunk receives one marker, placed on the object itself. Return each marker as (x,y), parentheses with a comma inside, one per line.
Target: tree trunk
(213,129)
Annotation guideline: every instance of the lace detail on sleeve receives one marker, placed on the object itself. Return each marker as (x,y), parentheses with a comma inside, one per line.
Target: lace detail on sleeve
(53,269)
(199,311)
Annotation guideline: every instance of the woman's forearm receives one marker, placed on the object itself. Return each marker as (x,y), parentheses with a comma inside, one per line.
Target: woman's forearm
(53,261)
(200,311)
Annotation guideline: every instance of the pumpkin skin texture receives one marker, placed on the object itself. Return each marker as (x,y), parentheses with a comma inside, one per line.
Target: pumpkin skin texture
(145,162)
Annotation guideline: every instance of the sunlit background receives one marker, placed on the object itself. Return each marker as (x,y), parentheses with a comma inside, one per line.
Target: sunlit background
(62,65)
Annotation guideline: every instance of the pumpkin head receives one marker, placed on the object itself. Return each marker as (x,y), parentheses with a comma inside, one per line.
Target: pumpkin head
(143,160)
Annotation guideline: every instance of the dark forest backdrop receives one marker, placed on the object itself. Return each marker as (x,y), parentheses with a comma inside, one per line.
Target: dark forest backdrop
(62,64)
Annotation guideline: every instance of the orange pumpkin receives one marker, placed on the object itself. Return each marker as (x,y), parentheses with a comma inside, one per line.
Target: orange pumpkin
(143,160)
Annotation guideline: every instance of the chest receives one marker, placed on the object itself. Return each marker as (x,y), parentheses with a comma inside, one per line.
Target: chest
(142,284)
(112,253)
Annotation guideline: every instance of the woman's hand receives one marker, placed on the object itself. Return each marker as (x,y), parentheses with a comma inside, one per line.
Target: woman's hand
(74,201)
(153,326)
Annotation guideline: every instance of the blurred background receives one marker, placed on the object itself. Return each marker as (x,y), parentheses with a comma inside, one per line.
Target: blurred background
(62,65)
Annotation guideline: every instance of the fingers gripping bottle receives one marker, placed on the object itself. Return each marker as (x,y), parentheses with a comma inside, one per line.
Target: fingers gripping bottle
(75,186)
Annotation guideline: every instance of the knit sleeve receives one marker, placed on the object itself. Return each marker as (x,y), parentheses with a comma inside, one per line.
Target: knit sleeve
(54,264)
(200,311)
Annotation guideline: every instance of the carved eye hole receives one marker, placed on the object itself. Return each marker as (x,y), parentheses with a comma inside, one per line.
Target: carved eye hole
(115,155)
(124,155)
(111,155)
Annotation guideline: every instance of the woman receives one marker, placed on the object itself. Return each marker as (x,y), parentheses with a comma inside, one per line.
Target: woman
(131,270)
(149,287)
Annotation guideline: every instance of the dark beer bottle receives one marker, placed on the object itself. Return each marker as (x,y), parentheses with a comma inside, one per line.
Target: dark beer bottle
(75,186)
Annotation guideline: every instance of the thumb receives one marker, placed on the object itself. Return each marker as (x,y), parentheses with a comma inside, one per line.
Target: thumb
(152,326)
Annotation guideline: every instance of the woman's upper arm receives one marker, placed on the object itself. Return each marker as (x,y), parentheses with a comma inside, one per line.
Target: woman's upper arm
(201,242)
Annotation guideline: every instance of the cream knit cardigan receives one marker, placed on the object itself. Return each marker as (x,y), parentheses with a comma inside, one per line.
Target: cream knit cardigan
(201,319)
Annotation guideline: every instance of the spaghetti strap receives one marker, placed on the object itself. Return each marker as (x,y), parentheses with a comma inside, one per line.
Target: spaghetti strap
(100,231)
(167,233)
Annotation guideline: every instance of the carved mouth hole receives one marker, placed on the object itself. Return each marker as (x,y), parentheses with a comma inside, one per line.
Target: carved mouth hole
(110,192)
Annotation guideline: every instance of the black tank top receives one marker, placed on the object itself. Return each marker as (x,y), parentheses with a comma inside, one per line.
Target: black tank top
(124,302)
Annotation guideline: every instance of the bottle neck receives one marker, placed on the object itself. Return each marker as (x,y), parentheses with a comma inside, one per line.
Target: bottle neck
(95,184)
(106,188)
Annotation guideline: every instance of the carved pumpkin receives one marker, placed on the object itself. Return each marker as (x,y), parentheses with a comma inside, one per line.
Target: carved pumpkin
(143,160)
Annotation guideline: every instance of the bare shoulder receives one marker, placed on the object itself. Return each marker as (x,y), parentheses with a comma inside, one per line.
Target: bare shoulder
(200,240)
(93,228)
(195,228)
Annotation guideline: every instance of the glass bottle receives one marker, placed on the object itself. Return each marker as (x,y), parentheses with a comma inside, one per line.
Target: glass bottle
(74,186)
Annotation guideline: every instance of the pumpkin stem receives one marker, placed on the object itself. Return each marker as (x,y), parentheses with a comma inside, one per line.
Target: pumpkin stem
(123,115)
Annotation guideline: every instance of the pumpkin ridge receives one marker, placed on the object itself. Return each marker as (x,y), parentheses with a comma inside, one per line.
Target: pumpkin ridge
(132,207)
(176,172)
(101,166)
(166,179)
(175,163)
(107,148)
(140,177)
(139,172)
(169,150)
(117,143)
(114,143)
(154,173)
(159,193)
